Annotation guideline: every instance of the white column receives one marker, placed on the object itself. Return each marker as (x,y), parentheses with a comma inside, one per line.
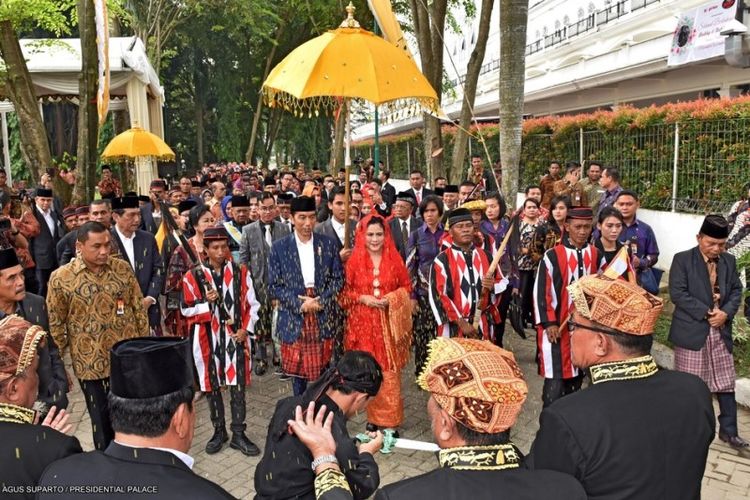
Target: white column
(6,147)
(145,169)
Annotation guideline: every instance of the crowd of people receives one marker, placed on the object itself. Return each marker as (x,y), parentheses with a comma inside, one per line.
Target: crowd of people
(180,296)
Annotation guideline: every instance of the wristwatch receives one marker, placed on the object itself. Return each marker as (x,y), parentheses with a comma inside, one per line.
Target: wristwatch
(325,459)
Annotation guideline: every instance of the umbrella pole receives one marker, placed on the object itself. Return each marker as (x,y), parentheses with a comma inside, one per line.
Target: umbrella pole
(348,141)
(376,154)
(347,167)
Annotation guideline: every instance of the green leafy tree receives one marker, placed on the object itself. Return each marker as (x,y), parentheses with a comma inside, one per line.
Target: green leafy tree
(18,16)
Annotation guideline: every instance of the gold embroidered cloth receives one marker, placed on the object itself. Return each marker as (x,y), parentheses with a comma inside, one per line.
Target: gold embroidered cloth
(477,383)
(18,343)
(616,304)
(495,457)
(630,369)
(16,414)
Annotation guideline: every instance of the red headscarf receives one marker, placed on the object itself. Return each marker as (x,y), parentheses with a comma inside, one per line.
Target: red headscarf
(360,259)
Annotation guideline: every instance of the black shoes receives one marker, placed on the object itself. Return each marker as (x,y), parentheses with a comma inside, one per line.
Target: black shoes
(260,367)
(242,443)
(239,442)
(217,440)
(734,441)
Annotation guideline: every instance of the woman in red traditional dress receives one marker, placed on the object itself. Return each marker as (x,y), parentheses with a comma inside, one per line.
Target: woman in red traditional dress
(376,296)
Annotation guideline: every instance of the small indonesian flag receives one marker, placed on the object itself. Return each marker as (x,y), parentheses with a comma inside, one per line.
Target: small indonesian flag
(620,266)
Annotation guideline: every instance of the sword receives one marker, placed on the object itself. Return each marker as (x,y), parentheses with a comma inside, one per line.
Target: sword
(390,442)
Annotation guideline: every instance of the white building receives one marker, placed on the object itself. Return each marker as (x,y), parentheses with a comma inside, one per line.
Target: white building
(589,54)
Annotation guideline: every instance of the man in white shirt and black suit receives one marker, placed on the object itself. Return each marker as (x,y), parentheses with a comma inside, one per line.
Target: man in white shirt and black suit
(138,248)
(255,247)
(283,204)
(403,222)
(43,247)
(387,191)
(334,226)
(416,180)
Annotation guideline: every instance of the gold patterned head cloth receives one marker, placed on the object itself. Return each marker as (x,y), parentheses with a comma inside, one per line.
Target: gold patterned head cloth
(18,342)
(477,383)
(475,205)
(616,304)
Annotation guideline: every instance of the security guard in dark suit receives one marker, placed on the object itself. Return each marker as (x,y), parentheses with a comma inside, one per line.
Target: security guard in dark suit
(152,413)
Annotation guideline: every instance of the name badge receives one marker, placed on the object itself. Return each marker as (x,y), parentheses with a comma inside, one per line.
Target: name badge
(120,306)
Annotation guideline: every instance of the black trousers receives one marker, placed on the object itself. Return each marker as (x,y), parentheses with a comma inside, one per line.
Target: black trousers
(555,388)
(527,295)
(503,309)
(727,413)
(263,333)
(236,406)
(32,285)
(42,276)
(95,392)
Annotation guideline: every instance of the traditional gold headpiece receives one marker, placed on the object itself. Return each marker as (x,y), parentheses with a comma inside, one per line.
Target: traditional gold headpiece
(18,342)
(475,205)
(477,383)
(616,304)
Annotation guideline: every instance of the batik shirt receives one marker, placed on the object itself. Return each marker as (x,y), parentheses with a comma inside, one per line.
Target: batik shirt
(91,312)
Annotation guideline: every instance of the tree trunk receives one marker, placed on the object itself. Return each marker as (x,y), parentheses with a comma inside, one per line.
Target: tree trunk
(337,147)
(513,19)
(19,88)
(250,153)
(88,119)
(458,165)
(199,131)
(429,25)
(272,131)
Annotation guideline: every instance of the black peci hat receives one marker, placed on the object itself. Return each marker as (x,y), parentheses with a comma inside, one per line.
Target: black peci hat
(124,202)
(459,215)
(715,226)
(148,367)
(303,204)
(8,258)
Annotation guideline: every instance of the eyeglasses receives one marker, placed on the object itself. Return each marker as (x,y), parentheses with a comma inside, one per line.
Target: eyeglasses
(572,326)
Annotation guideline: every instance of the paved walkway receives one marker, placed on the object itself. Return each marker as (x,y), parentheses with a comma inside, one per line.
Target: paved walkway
(727,472)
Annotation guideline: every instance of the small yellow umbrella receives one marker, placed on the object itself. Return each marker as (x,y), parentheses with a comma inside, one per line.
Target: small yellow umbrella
(344,64)
(137,143)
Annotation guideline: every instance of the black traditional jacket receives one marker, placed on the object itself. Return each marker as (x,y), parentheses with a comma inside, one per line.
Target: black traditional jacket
(636,432)
(284,471)
(26,450)
(470,472)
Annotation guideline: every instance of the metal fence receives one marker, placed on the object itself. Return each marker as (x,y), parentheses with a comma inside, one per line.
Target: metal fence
(694,166)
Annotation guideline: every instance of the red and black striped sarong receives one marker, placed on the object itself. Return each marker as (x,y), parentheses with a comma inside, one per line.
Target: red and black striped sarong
(309,355)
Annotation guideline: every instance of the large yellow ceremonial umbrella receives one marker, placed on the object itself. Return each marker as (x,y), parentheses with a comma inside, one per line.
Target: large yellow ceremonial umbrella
(137,143)
(140,146)
(345,64)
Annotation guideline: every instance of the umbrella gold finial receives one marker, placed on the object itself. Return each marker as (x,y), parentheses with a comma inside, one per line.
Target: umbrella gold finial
(350,22)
